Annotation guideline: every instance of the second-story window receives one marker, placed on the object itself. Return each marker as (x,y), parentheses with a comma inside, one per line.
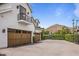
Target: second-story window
(22,13)
(22,9)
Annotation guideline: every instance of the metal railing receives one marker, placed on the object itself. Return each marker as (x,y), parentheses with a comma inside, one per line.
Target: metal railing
(24,17)
(28,19)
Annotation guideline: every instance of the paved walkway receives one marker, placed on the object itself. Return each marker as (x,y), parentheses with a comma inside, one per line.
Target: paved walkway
(45,48)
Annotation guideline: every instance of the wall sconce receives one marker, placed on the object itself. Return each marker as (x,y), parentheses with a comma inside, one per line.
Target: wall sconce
(3,31)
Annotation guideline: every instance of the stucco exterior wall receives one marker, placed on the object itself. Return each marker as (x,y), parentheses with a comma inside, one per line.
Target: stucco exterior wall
(9,20)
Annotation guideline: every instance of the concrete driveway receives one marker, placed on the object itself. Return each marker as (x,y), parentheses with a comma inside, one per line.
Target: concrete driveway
(44,48)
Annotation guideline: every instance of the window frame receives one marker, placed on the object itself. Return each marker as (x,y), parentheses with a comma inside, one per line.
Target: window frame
(22,13)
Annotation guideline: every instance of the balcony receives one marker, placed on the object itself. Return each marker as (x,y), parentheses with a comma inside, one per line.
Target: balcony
(24,19)
(37,29)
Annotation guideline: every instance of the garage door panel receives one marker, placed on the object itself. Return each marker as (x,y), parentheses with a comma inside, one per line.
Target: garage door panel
(28,37)
(25,38)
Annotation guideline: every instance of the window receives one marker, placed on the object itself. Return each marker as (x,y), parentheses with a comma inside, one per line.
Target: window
(24,31)
(22,13)
(22,16)
(22,9)
(18,31)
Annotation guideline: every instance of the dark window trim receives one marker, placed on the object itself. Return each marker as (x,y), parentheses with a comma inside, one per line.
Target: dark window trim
(22,13)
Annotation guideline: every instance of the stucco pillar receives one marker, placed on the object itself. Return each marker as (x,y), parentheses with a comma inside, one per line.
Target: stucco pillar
(31,37)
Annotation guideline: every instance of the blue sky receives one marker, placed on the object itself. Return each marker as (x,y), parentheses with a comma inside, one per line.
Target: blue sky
(54,13)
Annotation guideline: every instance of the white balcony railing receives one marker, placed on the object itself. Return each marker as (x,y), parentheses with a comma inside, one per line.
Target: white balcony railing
(24,19)
(37,29)
(28,19)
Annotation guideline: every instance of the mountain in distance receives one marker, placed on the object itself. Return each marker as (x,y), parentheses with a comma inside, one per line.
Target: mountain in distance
(56,27)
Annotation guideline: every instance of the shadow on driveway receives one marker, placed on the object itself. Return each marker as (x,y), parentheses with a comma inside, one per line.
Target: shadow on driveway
(2,54)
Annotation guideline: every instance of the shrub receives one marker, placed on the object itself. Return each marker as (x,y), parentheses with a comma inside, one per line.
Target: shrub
(72,38)
(58,36)
(69,37)
(44,35)
(76,38)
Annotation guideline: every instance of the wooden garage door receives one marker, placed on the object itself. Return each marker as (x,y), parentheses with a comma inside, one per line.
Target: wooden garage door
(18,37)
(11,37)
(37,37)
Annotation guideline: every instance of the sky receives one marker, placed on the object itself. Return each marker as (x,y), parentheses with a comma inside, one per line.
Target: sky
(55,13)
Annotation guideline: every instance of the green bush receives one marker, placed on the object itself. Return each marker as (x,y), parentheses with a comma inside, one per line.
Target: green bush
(46,37)
(58,36)
(42,37)
(63,34)
(72,38)
(76,38)
(44,34)
(69,37)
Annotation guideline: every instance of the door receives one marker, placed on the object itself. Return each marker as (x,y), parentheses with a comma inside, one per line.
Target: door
(37,37)
(18,37)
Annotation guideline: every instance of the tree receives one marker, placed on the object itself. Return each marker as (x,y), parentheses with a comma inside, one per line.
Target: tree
(61,33)
(64,30)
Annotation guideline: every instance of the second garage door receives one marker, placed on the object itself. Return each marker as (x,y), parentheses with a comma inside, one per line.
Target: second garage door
(18,37)
(37,37)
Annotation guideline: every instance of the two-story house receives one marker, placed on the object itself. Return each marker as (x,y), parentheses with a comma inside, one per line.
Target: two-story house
(16,24)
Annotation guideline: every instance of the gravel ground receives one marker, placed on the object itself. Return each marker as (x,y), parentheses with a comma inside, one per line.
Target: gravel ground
(44,48)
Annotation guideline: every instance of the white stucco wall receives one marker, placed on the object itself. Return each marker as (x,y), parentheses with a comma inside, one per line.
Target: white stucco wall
(38,31)
(9,20)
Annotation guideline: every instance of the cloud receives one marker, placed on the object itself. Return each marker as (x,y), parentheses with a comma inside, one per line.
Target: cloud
(76,11)
(59,11)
